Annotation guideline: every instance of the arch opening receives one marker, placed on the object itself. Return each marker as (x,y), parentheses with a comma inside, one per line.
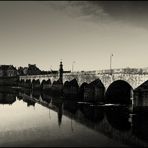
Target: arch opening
(119,92)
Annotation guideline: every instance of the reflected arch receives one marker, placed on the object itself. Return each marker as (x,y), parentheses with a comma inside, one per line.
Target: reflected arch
(94,114)
(119,92)
(118,118)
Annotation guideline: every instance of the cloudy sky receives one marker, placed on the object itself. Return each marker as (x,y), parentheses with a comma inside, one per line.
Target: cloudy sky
(87,32)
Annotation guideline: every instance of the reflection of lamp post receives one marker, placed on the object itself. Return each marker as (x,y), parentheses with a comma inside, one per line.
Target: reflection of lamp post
(49,114)
(71,125)
(111,63)
(73,65)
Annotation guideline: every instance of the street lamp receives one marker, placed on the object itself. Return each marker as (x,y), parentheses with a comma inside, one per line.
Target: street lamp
(111,63)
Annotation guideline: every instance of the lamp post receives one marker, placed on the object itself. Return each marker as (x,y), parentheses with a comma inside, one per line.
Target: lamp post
(111,63)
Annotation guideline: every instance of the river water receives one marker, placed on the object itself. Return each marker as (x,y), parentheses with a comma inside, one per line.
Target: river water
(30,121)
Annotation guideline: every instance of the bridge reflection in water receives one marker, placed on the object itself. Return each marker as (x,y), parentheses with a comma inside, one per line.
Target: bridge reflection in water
(120,123)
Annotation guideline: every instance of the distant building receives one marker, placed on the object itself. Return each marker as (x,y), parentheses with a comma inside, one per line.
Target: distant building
(8,71)
(22,71)
(25,70)
(32,69)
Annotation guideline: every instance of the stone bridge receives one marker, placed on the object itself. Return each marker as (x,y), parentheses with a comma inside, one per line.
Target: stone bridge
(133,79)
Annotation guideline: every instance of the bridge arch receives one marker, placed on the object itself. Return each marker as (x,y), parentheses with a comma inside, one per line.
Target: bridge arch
(119,92)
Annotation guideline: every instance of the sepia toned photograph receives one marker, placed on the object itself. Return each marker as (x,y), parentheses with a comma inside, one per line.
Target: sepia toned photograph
(74,73)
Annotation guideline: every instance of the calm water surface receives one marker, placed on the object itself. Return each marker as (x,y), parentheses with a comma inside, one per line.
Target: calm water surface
(28,123)
(38,126)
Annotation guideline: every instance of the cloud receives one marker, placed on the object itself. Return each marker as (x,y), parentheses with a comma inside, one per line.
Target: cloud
(125,12)
(83,10)
(128,12)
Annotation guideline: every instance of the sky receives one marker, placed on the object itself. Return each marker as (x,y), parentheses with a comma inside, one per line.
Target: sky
(87,32)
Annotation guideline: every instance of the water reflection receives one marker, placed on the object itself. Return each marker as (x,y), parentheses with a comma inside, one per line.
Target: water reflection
(111,121)
(27,92)
(29,102)
(60,113)
(7,98)
(140,123)
(94,114)
(36,94)
(118,117)
(46,97)
(71,106)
